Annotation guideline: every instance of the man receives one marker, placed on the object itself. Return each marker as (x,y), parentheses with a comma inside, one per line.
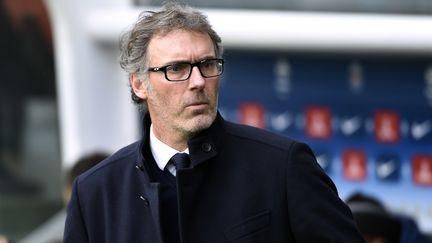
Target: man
(373,220)
(380,225)
(235,183)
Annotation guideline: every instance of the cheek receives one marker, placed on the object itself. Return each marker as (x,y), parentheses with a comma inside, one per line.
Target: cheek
(162,97)
(213,89)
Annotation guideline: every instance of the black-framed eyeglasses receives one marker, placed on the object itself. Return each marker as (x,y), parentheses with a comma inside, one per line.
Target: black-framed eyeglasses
(181,71)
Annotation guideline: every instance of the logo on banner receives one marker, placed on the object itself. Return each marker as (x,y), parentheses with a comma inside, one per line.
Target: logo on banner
(252,114)
(356,81)
(281,122)
(419,130)
(388,168)
(318,122)
(324,159)
(354,164)
(422,169)
(351,125)
(282,83)
(387,127)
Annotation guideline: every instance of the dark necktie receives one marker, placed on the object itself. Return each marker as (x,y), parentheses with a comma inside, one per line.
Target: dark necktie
(181,161)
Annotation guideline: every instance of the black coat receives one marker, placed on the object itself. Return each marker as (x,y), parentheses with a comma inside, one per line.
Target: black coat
(245,185)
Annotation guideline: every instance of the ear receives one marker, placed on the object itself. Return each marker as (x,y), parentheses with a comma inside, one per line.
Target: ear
(138,87)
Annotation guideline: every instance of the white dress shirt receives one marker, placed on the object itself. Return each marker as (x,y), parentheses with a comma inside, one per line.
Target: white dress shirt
(162,153)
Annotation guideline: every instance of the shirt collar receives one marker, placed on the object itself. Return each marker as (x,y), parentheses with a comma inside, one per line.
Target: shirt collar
(162,153)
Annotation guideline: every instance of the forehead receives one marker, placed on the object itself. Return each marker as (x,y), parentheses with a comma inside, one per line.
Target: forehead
(180,45)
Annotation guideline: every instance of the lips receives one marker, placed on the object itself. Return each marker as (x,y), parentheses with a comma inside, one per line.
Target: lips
(197,104)
(197,101)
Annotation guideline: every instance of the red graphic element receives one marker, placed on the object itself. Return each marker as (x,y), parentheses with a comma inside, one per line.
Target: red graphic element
(354,164)
(387,127)
(318,122)
(252,114)
(422,169)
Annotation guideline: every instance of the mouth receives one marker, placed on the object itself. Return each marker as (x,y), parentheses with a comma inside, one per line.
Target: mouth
(197,104)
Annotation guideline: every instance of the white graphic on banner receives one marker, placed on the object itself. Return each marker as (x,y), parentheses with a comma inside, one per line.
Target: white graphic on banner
(356,81)
(323,160)
(386,168)
(282,82)
(349,126)
(280,122)
(420,129)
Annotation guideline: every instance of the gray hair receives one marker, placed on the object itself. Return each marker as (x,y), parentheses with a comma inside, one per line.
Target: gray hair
(173,16)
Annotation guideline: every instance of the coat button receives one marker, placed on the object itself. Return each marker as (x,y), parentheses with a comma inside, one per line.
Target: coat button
(145,200)
(139,167)
(206,147)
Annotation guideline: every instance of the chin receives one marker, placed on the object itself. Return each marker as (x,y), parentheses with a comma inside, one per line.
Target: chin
(200,122)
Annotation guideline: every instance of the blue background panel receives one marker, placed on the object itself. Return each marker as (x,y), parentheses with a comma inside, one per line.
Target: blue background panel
(377,105)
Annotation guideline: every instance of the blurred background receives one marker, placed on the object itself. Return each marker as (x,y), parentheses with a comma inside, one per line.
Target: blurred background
(353,79)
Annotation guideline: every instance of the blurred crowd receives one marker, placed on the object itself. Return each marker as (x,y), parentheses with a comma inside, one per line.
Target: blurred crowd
(380,225)
(52,230)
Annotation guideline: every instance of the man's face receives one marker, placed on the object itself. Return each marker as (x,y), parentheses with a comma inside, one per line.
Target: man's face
(179,109)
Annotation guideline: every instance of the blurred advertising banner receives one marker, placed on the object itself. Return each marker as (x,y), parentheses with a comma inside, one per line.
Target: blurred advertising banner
(368,118)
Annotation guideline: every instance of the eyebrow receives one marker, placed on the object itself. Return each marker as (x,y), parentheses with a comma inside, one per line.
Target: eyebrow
(188,61)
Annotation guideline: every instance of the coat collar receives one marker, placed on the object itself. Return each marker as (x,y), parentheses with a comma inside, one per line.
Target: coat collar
(202,147)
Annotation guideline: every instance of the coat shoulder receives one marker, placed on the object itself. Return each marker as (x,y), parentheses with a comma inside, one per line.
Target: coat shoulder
(258,135)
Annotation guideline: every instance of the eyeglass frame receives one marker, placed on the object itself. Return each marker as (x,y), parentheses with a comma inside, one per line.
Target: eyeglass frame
(192,65)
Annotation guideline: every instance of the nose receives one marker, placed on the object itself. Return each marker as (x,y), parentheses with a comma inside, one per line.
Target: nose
(196,80)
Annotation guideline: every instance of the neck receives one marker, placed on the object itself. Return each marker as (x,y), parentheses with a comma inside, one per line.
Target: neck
(176,141)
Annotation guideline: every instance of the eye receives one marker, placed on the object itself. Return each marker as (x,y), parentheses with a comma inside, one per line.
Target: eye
(177,67)
(207,64)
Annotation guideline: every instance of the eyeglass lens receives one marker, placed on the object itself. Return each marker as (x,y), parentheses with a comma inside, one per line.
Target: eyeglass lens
(182,71)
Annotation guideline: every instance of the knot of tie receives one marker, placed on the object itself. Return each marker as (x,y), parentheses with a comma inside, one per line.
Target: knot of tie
(181,161)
